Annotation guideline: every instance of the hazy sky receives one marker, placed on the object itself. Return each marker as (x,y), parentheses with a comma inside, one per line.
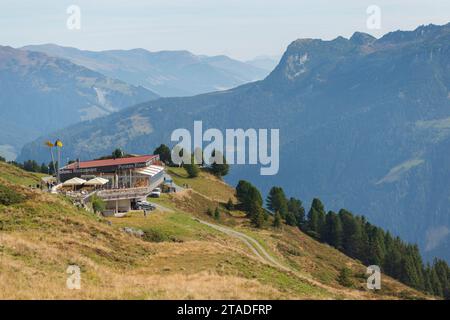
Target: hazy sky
(239,28)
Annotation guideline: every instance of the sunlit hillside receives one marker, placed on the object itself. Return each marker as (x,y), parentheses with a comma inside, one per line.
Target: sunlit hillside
(181,252)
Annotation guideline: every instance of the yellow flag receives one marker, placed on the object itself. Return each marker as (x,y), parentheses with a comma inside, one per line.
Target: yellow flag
(49,144)
(58,143)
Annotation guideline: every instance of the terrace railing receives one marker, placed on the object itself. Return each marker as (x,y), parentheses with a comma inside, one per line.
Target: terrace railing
(122,194)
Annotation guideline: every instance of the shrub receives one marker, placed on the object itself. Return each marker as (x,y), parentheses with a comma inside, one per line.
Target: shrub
(192,170)
(229,205)
(344,278)
(257,217)
(217,214)
(155,236)
(98,204)
(9,196)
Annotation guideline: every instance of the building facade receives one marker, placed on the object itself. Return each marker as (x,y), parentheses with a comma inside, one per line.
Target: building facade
(129,179)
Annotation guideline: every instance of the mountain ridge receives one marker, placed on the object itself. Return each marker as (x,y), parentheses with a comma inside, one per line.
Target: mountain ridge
(65,93)
(169,73)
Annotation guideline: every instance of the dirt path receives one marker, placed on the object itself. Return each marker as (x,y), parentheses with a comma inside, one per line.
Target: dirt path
(161,208)
(265,257)
(254,245)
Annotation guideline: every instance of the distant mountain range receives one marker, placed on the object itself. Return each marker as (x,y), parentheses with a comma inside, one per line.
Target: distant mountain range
(264,62)
(364,124)
(40,94)
(168,73)
(60,86)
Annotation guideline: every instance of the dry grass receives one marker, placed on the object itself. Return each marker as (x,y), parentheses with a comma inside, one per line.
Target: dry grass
(40,237)
(292,247)
(18,176)
(45,234)
(206,184)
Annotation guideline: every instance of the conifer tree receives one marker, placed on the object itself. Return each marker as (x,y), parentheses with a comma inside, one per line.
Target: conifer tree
(257,217)
(277,220)
(316,219)
(192,169)
(295,207)
(352,234)
(164,153)
(219,169)
(276,201)
(333,230)
(248,196)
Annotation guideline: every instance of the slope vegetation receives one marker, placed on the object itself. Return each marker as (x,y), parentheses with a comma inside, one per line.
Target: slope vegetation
(177,257)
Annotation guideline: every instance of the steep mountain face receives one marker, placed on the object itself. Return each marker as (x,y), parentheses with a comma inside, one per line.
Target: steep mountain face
(168,73)
(40,94)
(364,124)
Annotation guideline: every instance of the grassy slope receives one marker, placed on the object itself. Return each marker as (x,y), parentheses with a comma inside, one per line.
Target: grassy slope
(16,176)
(40,237)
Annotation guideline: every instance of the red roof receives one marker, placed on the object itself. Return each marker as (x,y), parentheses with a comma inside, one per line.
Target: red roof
(110,162)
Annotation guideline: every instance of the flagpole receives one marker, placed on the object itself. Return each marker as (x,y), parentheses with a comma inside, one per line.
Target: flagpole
(50,146)
(59,161)
(58,145)
(53,161)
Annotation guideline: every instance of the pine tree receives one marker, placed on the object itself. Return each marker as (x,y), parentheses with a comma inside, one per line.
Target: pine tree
(277,220)
(352,234)
(44,168)
(333,230)
(409,274)
(376,250)
(428,285)
(276,201)
(164,153)
(291,220)
(117,153)
(295,207)
(364,242)
(393,259)
(249,197)
(316,219)
(219,169)
(31,166)
(442,271)
(436,283)
(192,169)
(257,217)
(52,167)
